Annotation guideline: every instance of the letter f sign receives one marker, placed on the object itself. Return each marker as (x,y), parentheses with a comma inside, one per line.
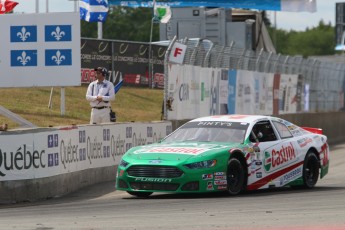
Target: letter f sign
(177,51)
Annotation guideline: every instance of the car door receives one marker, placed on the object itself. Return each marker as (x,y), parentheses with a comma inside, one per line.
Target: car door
(265,139)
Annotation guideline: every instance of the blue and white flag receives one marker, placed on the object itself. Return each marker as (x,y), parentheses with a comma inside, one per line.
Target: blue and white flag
(60,57)
(58,33)
(118,85)
(23,33)
(23,58)
(93,10)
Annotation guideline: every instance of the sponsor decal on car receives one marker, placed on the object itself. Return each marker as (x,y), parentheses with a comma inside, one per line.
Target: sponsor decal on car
(290,176)
(220,182)
(155,162)
(258,163)
(210,185)
(259,175)
(222,187)
(276,158)
(324,154)
(207,176)
(220,177)
(183,150)
(304,141)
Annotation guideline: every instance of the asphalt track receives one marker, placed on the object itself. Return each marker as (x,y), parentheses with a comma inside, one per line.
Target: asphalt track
(101,207)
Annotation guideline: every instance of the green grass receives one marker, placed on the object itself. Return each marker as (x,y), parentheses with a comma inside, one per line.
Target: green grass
(131,104)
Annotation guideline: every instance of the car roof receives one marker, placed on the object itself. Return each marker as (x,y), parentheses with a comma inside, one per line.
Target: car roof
(233,118)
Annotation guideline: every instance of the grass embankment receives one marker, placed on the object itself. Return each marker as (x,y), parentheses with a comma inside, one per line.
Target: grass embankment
(131,104)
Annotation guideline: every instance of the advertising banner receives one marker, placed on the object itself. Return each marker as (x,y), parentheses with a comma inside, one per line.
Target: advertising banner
(128,60)
(263,93)
(288,93)
(44,153)
(194,91)
(40,50)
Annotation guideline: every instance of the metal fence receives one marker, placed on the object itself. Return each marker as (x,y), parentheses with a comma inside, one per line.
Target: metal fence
(324,79)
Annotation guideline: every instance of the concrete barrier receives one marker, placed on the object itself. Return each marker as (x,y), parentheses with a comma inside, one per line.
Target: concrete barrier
(44,163)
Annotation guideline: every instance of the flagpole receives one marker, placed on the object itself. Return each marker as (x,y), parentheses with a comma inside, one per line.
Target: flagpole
(37,6)
(100,30)
(150,47)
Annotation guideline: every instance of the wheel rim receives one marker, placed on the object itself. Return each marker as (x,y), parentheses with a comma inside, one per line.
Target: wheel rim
(233,177)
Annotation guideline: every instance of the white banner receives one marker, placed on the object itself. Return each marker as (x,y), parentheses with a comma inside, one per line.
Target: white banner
(40,50)
(288,93)
(32,154)
(254,93)
(194,91)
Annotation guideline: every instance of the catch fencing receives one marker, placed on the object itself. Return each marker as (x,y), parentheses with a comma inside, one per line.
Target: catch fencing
(324,81)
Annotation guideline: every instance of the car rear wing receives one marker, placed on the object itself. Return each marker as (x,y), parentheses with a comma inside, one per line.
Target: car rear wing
(313,130)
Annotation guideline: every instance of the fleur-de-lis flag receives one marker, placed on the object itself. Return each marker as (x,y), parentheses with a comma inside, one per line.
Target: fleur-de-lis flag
(7,6)
(93,10)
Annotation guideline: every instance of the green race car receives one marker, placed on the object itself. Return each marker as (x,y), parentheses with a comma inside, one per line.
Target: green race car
(229,153)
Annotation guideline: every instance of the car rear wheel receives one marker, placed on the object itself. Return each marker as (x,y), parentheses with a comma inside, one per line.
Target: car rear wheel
(140,194)
(235,176)
(311,168)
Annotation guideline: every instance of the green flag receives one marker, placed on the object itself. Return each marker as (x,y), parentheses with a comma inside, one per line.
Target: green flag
(162,13)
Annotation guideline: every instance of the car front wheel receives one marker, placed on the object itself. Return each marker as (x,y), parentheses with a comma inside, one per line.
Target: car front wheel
(235,176)
(311,168)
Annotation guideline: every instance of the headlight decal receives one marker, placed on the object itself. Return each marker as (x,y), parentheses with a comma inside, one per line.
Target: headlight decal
(123,163)
(201,164)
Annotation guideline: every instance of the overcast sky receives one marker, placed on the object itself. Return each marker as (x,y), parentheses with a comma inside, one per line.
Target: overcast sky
(285,20)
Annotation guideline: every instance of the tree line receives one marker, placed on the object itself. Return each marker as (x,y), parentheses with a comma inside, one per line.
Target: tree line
(134,24)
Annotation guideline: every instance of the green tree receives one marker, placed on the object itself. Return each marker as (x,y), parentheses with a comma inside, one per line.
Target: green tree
(316,41)
(124,23)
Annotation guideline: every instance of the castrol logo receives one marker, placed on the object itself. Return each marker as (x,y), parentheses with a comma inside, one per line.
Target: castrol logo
(276,158)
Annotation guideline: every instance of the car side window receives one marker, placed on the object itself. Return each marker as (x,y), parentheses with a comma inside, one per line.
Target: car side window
(283,131)
(263,132)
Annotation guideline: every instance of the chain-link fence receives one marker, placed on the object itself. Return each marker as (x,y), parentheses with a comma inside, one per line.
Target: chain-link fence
(325,80)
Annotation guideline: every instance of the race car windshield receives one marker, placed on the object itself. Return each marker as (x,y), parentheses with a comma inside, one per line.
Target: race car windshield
(210,132)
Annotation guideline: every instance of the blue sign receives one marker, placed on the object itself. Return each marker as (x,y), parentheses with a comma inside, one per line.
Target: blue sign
(23,58)
(58,33)
(274,5)
(58,57)
(232,91)
(23,33)
(247,4)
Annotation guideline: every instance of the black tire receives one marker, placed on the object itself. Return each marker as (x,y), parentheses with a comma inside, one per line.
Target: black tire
(235,176)
(311,170)
(140,194)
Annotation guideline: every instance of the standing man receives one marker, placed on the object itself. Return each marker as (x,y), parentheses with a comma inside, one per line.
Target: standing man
(100,93)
